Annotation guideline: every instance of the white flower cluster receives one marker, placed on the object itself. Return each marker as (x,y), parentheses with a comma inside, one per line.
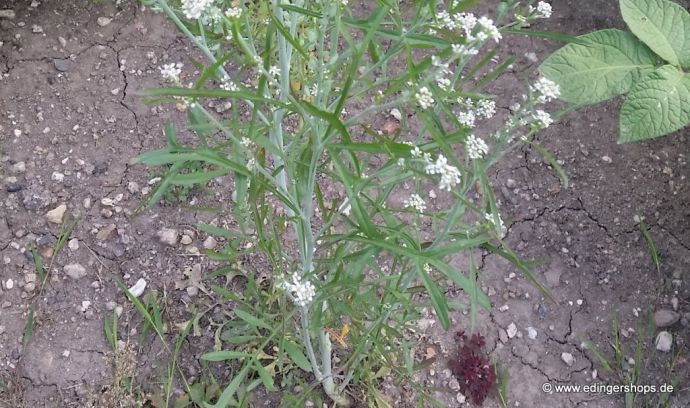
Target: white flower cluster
(233,12)
(424,98)
(476,147)
(474,29)
(228,85)
(441,80)
(543,119)
(301,291)
(546,90)
(171,72)
(416,202)
(194,9)
(450,175)
(463,50)
(490,217)
(543,10)
(484,107)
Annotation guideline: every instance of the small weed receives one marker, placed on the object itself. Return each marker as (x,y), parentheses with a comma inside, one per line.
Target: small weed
(476,375)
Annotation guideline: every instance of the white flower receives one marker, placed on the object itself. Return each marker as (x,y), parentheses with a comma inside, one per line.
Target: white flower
(193,9)
(501,227)
(476,147)
(424,98)
(443,83)
(233,12)
(463,50)
(489,28)
(228,85)
(251,164)
(416,202)
(467,118)
(171,72)
(301,291)
(450,175)
(486,108)
(401,162)
(466,21)
(416,152)
(246,142)
(546,89)
(543,118)
(274,71)
(543,10)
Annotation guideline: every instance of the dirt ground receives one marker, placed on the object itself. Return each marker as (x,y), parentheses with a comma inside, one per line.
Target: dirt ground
(71,117)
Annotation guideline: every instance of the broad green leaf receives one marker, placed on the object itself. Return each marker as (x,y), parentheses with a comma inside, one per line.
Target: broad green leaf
(661,24)
(608,65)
(659,104)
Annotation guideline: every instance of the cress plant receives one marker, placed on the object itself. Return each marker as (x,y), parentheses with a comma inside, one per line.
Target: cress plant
(650,66)
(358,225)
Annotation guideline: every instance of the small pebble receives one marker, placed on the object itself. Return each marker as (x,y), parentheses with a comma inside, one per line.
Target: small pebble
(210,242)
(167,236)
(511,330)
(55,215)
(568,359)
(103,21)
(9,284)
(138,288)
(186,240)
(664,341)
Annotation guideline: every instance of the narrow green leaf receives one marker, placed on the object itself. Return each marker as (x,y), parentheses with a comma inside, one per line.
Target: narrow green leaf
(438,299)
(300,10)
(197,177)
(608,64)
(226,398)
(286,34)
(265,376)
(251,319)
(658,105)
(29,327)
(224,355)
(661,24)
(650,243)
(295,353)
(552,162)
(545,34)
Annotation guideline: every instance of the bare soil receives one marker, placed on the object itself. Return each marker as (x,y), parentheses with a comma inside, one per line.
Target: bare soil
(71,112)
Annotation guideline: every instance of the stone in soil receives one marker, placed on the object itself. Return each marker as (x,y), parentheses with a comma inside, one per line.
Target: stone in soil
(138,288)
(664,341)
(568,359)
(210,243)
(103,21)
(511,330)
(56,214)
(9,14)
(665,318)
(167,236)
(13,187)
(62,65)
(186,240)
(75,271)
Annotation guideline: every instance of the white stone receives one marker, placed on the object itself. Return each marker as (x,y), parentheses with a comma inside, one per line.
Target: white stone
(531,332)
(167,236)
(9,284)
(103,21)
(75,271)
(396,114)
(664,341)
(568,359)
(210,242)
(73,244)
(511,330)
(138,288)
(186,240)
(55,215)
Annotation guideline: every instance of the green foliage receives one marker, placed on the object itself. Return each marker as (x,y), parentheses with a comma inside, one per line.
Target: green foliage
(331,203)
(611,62)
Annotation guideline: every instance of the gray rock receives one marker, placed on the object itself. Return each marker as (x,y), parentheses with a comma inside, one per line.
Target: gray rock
(103,21)
(7,13)
(665,318)
(167,236)
(62,65)
(75,271)
(664,341)
(210,242)
(13,187)
(568,359)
